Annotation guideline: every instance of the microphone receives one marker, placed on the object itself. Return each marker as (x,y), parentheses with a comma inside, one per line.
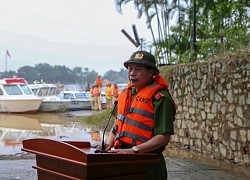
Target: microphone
(105,128)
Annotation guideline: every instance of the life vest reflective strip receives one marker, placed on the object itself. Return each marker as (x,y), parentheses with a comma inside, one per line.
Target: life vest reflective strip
(132,136)
(140,111)
(134,123)
(135,120)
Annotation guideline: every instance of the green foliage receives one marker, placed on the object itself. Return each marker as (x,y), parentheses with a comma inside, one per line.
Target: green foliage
(116,77)
(9,74)
(28,73)
(221,26)
(53,74)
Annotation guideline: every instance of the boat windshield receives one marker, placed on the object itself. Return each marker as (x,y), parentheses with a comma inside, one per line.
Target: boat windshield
(82,96)
(68,96)
(52,91)
(26,89)
(12,89)
(35,91)
(43,91)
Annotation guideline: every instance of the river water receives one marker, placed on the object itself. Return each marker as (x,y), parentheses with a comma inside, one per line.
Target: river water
(59,126)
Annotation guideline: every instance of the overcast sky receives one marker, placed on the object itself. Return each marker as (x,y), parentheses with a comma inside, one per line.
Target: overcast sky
(83,33)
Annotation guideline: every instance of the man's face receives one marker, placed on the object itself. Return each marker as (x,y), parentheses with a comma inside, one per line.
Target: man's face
(139,75)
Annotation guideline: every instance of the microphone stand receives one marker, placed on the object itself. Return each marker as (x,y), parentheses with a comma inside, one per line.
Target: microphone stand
(105,128)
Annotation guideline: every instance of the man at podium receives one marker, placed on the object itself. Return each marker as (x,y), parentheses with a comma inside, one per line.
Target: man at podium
(144,114)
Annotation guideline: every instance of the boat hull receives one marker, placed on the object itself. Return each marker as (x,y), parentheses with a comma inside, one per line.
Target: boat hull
(19,105)
(79,100)
(79,105)
(54,106)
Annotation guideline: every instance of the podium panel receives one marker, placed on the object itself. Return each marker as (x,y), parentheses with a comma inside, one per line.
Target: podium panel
(77,160)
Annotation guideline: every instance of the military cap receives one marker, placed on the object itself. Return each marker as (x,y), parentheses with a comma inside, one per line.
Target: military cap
(145,58)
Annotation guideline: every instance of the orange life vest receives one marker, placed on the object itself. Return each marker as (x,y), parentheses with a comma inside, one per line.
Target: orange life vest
(115,92)
(97,91)
(135,118)
(99,82)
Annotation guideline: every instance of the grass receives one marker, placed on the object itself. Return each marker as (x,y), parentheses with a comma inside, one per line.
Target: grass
(99,120)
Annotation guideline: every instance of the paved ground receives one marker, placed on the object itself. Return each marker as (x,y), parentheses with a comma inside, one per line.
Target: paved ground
(185,168)
(178,169)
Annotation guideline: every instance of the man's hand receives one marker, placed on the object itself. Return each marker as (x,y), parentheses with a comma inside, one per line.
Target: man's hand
(122,151)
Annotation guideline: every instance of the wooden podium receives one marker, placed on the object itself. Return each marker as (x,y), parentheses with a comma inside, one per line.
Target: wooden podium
(56,160)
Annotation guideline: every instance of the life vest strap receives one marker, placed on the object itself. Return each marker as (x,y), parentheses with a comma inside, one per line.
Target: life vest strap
(134,123)
(153,85)
(141,112)
(131,136)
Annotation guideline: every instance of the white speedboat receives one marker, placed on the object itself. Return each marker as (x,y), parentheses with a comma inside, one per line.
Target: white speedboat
(80,100)
(16,97)
(51,102)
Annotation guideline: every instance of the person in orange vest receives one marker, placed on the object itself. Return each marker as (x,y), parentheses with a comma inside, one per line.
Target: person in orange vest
(115,92)
(144,115)
(92,100)
(97,97)
(108,95)
(98,81)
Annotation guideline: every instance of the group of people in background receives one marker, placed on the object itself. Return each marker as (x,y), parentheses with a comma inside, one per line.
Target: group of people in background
(111,94)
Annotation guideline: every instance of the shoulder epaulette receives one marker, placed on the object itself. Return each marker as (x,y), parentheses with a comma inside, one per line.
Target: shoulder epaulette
(158,95)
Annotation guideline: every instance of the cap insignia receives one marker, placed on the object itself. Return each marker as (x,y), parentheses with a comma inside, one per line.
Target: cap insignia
(139,56)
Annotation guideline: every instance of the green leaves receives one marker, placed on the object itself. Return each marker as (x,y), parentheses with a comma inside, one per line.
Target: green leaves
(222,26)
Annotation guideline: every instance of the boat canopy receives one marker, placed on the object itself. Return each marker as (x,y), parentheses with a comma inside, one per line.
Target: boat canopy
(13,81)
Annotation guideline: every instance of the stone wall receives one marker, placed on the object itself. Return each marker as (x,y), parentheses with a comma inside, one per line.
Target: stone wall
(213,106)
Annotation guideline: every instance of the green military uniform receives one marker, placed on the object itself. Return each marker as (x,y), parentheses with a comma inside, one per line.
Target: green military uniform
(164,117)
